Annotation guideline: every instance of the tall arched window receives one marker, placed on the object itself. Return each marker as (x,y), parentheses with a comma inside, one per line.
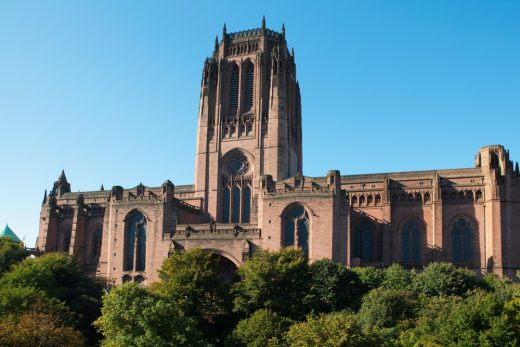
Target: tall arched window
(135,242)
(363,240)
(236,189)
(246,204)
(226,201)
(236,205)
(461,234)
(233,90)
(97,236)
(296,228)
(411,236)
(249,86)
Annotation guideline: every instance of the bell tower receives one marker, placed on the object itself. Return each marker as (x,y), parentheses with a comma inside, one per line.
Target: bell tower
(249,121)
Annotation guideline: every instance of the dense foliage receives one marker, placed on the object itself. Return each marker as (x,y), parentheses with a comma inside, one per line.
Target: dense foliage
(11,252)
(277,299)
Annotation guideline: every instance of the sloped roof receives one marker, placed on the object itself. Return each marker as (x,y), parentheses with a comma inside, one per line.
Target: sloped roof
(8,232)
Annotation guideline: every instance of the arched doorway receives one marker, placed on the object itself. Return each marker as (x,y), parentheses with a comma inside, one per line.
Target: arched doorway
(227,269)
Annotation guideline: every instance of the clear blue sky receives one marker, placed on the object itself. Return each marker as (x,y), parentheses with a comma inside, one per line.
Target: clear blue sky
(108,90)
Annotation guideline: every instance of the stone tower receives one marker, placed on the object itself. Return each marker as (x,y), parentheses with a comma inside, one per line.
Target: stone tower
(249,121)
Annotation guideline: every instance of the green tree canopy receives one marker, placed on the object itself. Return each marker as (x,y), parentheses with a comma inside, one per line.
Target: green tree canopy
(443,279)
(385,308)
(330,330)
(38,329)
(11,252)
(134,316)
(61,277)
(370,278)
(333,287)
(397,277)
(190,280)
(262,328)
(278,281)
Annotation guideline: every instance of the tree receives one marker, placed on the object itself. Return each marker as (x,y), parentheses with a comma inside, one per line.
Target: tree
(332,286)
(278,281)
(479,319)
(262,328)
(370,278)
(330,330)
(190,281)
(61,277)
(11,252)
(397,277)
(134,316)
(15,301)
(443,279)
(504,330)
(385,308)
(38,329)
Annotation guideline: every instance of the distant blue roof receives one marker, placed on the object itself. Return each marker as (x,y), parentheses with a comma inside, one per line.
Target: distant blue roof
(8,232)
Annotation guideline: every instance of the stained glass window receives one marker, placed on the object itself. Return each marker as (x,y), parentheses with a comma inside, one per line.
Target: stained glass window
(236,205)
(363,240)
(226,200)
(246,204)
(461,235)
(135,226)
(411,241)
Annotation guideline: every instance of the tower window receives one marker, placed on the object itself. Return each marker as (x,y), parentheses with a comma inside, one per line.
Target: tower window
(233,90)
(236,189)
(249,80)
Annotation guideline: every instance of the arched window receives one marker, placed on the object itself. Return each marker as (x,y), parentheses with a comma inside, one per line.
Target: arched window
(461,234)
(236,205)
(66,239)
(226,200)
(236,188)
(246,204)
(135,242)
(233,90)
(126,278)
(249,86)
(411,235)
(97,236)
(363,240)
(296,228)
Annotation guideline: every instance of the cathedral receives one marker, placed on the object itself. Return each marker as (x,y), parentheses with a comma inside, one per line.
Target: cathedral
(250,193)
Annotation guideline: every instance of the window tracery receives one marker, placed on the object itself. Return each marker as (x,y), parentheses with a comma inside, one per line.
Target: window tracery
(296,228)
(135,242)
(236,189)
(411,238)
(363,235)
(461,241)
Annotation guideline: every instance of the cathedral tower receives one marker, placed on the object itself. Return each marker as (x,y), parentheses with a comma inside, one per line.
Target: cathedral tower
(249,121)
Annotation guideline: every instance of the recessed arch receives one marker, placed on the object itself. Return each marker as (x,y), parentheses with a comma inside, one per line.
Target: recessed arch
(296,226)
(135,241)
(234,80)
(463,232)
(412,231)
(363,239)
(248,71)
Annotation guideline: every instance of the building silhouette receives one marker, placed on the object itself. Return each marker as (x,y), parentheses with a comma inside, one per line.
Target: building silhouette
(250,192)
